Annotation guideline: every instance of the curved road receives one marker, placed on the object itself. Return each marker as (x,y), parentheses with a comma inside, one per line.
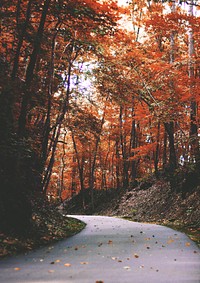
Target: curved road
(110,250)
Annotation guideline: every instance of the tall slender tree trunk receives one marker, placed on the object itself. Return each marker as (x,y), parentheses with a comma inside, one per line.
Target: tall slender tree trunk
(62,169)
(80,169)
(58,126)
(169,127)
(21,38)
(30,70)
(164,158)
(124,151)
(133,144)
(156,154)
(117,165)
(194,140)
(93,162)
(73,177)
(46,130)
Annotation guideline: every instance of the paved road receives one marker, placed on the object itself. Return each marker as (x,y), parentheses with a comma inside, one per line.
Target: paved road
(110,250)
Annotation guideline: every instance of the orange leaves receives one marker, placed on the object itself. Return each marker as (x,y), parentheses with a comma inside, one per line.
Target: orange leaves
(143,151)
(170,241)
(135,76)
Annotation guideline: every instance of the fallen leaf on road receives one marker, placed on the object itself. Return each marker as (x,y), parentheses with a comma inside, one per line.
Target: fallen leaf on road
(99,281)
(84,262)
(51,271)
(136,255)
(127,267)
(147,239)
(170,241)
(17,268)
(58,260)
(67,264)
(187,244)
(110,242)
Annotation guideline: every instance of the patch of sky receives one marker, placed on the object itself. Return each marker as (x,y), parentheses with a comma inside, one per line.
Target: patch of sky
(81,80)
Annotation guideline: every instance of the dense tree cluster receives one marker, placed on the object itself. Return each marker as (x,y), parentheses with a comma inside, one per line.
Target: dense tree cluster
(41,41)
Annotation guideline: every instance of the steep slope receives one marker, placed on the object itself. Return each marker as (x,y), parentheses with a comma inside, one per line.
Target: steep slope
(151,201)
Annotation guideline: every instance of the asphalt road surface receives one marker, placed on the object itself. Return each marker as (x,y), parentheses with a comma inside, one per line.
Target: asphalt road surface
(109,250)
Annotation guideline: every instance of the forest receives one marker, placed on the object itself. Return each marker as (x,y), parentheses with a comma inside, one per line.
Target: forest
(95,95)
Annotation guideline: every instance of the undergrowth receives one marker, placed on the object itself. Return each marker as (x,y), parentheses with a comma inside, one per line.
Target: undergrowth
(48,226)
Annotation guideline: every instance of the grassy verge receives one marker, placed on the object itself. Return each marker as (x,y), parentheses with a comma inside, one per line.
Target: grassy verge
(191,230)
(48,226)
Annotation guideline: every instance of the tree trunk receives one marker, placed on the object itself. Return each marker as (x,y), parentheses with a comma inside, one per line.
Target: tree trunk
(125,165)
(80,169)
(169,127)
(164,160)
(21,38)
(58,126)
(46,131)
(117,165)
(194,140)
(30,70)
(133,145)
(93,162)
(73,178)
(156,154)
